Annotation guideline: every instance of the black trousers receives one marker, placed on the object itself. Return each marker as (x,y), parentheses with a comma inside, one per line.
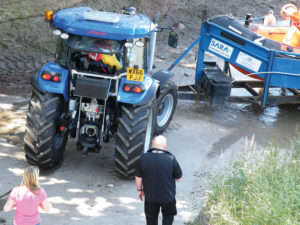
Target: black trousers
(168,212)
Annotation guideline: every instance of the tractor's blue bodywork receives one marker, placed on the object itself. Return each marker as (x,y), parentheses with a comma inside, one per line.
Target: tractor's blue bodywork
(79,21)
(85,22)
(150,86)
(51,87)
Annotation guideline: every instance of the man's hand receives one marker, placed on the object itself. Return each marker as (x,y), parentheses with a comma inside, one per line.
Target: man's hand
(141,195)
(139,187)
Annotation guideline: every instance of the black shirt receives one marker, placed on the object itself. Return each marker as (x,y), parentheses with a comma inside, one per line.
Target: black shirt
(159,169)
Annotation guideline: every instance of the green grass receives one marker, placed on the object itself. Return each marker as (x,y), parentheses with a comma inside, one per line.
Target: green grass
(262,188)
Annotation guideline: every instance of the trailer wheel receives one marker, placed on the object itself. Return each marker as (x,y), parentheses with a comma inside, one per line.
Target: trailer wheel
(45,141)
(135,131)
(166,103)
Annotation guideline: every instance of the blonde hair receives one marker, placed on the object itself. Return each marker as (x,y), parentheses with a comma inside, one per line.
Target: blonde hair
(31,179)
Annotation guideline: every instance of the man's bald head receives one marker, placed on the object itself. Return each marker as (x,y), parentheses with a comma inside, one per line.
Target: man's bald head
(159,142)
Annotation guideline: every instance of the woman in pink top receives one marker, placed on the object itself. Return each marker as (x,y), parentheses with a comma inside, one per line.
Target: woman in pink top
(27,198)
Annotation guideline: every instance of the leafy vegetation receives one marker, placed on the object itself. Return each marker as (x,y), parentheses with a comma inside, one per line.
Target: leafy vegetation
(262,188)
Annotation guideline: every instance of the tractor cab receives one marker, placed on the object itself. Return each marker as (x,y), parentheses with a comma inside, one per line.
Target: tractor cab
(104,43)
(103,56)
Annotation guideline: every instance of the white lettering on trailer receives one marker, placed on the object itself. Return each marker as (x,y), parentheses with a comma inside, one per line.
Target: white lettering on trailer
(248,61)
(220,48)
(259,40)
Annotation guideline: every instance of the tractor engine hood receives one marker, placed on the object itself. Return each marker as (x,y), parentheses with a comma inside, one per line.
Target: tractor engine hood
(84,21)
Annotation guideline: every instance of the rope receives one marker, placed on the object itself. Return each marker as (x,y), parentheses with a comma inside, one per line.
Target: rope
(292,74)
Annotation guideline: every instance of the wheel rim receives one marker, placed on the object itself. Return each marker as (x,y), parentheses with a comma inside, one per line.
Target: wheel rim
(165,110)
(148,131)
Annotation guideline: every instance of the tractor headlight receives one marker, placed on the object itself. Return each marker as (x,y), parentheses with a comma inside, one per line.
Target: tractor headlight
(64,36)
(56,32)
(128,44)
(139,44)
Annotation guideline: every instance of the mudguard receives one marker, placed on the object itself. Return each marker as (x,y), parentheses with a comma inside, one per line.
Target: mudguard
(162,76)
(61,87)
(145,97)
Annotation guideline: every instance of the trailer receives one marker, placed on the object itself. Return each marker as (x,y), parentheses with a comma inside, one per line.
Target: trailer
(251,53)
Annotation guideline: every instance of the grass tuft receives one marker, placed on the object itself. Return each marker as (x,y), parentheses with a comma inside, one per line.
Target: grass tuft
(262,188)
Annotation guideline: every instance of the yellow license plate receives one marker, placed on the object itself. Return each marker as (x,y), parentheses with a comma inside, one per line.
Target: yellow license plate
(135,74)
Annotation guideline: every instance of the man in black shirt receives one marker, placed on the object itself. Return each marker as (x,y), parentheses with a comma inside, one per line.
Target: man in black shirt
(155,176)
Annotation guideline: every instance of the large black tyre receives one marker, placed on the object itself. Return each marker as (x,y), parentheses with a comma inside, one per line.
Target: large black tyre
(166,105)
(134,135)
(45,143)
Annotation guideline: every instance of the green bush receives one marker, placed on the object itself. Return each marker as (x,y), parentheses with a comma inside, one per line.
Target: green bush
(262,188)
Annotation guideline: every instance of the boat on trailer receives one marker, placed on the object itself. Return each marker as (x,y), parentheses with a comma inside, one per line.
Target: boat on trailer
(283,35)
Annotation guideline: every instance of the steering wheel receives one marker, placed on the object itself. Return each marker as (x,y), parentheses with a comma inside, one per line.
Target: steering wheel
(288,10)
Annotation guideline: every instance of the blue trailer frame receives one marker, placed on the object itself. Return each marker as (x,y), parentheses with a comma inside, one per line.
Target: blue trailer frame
(278,68)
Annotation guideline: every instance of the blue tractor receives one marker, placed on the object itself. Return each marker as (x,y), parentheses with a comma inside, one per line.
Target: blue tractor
(99,87)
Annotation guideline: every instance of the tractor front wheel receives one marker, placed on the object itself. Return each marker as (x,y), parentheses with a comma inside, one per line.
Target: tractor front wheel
(166,105)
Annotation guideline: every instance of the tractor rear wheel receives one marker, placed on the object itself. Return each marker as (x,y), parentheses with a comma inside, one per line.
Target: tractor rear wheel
(135,131)
(45,139)
(166,105)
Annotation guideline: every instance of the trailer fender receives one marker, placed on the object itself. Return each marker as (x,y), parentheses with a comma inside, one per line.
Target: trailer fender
(149,93)
(162,76)
(50,86)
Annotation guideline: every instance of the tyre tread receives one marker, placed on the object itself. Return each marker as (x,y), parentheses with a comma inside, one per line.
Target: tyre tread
(41,130)
(130,139)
